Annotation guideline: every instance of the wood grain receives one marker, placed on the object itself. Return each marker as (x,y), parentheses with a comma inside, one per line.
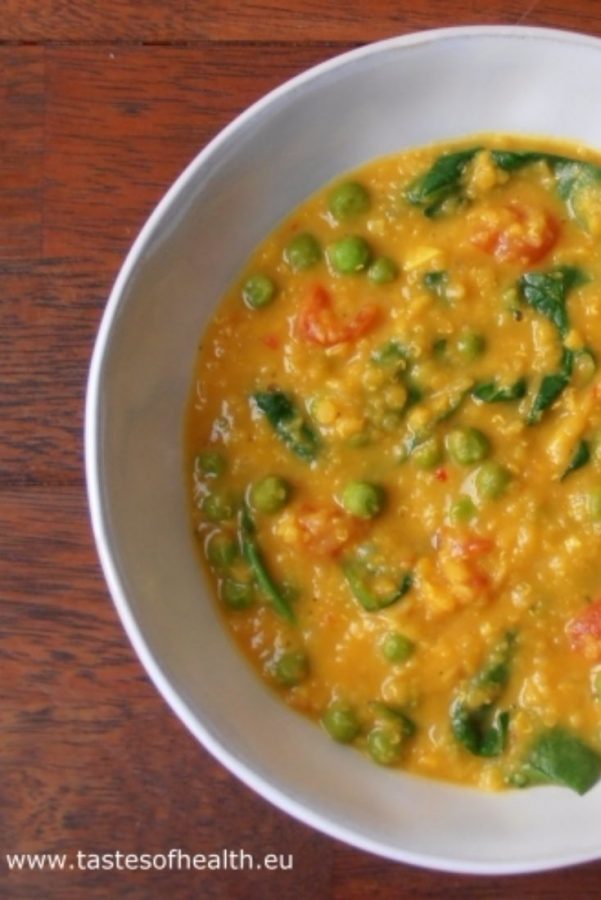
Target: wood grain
(113,133)
(269,19)
(101,106)
(22,102)
(124,129)
(47,326)
(289,21)
(76,772)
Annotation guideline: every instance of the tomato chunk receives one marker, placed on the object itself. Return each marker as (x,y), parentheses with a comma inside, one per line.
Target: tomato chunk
(318,323)
(584,631)
(325,530)
(272,341)
(516,233)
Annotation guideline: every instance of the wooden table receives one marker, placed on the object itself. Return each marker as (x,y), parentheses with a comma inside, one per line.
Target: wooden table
(102,103)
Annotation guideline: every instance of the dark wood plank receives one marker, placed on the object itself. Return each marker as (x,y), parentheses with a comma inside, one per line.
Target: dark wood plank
(91,757)
(311,20)
(356,876)
(116,133)
(122,124)
(290,21)
(22,103)
(48,323)
(63,20)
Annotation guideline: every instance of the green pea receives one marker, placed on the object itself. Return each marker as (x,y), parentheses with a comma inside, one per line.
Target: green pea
(221,550)
(392,715)
(291,668)
(341,723)
(584,368)
(302,252)
(211,463)
(390,421)
(362,499)
(259,290)
(270,494)
(594,504)
(237,594)
(348,200)
(510,298)
(383,270)
(349,255)
(427,454)
(397,647)
(467,446)
(470,345)
(218,506)
(463,509)
(385,744)
(491,480)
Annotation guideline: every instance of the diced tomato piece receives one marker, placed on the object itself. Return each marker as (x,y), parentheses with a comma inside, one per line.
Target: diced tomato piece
(479,580)
(318,322)
(459,560)
(517,233)
(441,474)
(326,530)
(584,631)
(464,543)
(272,341)
(476,546)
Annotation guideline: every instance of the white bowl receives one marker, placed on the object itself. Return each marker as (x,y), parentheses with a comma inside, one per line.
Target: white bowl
(376,100)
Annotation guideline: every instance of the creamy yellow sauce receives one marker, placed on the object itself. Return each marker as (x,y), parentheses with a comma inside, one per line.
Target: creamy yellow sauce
(391,371)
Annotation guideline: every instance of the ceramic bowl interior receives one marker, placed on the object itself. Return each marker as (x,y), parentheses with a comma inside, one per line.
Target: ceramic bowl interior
(377,100)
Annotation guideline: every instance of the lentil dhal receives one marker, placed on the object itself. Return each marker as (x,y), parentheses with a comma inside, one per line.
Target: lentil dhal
(394,451)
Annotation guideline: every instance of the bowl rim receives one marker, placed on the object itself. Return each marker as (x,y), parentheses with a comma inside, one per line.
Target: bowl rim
(98,511)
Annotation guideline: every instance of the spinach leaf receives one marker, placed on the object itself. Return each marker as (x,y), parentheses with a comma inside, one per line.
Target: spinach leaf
(281,412)
(444,178)
(476,721)
(551,387)
(482,731)
(572,176)
(415,438)
(393,351)
(254,557)
(580,457)
(511,160)
(557,756)
(439,348)
(567,171)
(357,576)
(579,186)
(494,674)
(442,181)
(547,293)
(437,282)
(491,392)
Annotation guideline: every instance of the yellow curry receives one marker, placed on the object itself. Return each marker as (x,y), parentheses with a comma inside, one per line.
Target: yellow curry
(394,455)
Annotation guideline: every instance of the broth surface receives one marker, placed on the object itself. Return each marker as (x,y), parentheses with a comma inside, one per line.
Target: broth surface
(394,458)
